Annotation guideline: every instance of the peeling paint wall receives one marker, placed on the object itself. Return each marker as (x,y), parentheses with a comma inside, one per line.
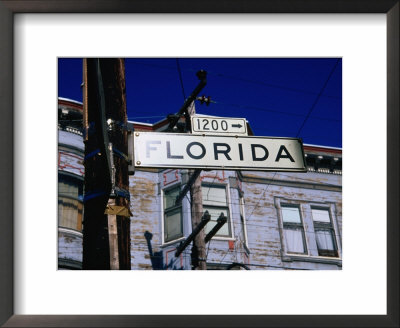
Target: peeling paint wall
(69,249)
(70,164)
(147,248)
(145,220)
(254,211)
(257,238)
(254,200)
(263,222)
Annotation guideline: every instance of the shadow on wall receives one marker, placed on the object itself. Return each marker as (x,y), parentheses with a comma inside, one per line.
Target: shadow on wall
(157,258)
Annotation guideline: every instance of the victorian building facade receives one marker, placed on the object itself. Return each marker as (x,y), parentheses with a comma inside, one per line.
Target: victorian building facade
(275,220)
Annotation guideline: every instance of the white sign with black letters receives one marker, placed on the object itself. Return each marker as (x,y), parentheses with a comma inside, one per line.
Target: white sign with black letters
(171,150)
(216,125)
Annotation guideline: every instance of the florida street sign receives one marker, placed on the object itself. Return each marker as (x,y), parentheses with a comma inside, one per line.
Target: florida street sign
(171,150)
(217,125)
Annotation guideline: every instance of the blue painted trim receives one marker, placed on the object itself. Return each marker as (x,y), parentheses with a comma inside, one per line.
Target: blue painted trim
(120,154)
(93,194)
(122,193)
(93,153)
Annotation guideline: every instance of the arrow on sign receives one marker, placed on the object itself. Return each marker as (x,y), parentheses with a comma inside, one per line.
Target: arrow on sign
(237,126)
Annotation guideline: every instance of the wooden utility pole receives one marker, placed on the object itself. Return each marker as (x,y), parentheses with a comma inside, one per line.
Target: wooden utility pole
(198,248)
(106,233)
(199,244)
(197,213)
(113,72)
(97,181)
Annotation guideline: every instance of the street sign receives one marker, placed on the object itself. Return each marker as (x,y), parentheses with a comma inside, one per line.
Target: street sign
(171,150)
(217,125)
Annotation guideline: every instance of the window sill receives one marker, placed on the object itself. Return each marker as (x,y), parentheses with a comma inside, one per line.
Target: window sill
(223,238)
(169,243)
(314,259)
(70,231)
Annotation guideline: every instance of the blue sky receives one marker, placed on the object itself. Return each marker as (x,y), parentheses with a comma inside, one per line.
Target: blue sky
(285,97)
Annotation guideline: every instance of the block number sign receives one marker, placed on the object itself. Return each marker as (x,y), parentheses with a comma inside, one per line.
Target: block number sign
(219,125)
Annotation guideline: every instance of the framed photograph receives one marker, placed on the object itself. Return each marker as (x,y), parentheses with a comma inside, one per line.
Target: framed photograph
(362,37)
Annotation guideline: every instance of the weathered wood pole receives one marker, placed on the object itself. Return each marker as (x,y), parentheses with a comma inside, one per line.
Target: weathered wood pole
(106,238)
(197,213)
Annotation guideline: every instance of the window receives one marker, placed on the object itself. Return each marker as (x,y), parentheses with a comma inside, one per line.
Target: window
(293,230)
(172,215)
(215,201)
(243,221)
(324,232)
(70,206)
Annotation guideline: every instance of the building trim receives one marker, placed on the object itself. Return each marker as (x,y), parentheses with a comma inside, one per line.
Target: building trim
(70,231)
(67,101)
(163,212)
(62,147)
(226,186)
(286,183)
(172,242)
(69,148)
(71,175)
(64,263)
(312,259)
(318,148)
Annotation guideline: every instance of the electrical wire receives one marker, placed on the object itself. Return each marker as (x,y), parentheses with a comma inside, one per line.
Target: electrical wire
(305,120)
(262,109)
(229,204)
(143,246)
(235,252)
(159,248)
(180,78)
(318,97)
(231,77)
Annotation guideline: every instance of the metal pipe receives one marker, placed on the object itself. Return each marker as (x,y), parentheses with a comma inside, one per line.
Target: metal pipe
(220,222)
(184,191)
(204,220)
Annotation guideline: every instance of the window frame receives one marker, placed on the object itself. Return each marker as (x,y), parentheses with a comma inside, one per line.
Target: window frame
(242,214)
(227,206)
(164,212)
(78,181)
(294,226)
(305,208)
(324,226)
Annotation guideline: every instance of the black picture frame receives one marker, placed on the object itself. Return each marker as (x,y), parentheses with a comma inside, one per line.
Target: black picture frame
(7,198)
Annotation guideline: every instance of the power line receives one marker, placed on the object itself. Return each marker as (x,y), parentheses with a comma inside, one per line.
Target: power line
(267,266)
(236,252)
(231,77)
(180,78)
(249,225)
(262,197)
(305,120)
(223,204)
(262,109)
(273,111)
(228,204)
(140,117)
(318,97)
